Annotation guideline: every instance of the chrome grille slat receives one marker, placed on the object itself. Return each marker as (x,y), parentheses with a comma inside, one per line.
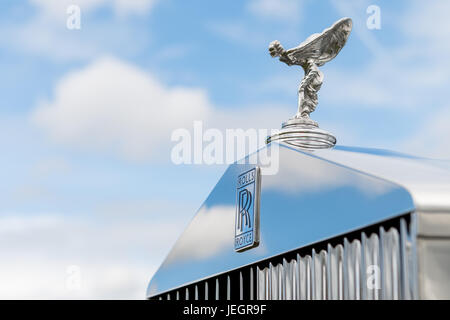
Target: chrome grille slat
(228,288)
(305,278)
(412,257)
(241,286)
(356,262)
(363,268)
(382,269)
(217,288)
(345,271)
(266,282)
(347,280)
(251,284)
(372,253)
(405,293)
(323,273)
(288,279)
(313,275)
(374,265)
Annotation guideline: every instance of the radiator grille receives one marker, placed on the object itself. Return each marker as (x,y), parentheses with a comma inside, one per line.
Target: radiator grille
(376,263)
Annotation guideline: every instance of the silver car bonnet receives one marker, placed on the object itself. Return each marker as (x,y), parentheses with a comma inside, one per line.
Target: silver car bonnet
(312,196)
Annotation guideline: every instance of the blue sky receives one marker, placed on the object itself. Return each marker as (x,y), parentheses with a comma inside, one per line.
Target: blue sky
(86,117)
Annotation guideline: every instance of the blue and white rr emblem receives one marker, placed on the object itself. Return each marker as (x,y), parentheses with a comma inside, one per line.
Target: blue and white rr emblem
(247,210)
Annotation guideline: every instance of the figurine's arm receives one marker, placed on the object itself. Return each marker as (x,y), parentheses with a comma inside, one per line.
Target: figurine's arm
(277,50)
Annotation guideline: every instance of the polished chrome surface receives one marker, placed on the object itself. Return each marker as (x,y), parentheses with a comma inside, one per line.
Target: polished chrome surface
(375,266)
(315,51)
(309,199)
(427,180)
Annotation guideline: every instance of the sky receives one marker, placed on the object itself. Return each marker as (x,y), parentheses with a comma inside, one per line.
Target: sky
(90,199)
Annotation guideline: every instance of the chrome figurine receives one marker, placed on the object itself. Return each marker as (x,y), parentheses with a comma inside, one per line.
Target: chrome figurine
(312,53)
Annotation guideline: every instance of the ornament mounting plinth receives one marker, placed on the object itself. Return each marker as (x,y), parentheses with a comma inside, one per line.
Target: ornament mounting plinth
(303,133)
(293,122)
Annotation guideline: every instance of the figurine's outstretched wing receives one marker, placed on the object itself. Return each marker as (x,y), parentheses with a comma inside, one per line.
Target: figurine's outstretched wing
(322,47)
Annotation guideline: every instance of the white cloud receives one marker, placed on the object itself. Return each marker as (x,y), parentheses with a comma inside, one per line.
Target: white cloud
(428,21)
(112,106)
(276,9)
(405,75)
(427,24)
(50,39)
(45,34)
(116,257)
(57,8)
(239,32)
(380,85)
(38,279)
(172,52)
(124,7)
(432,138)
(258,34)
(247,32)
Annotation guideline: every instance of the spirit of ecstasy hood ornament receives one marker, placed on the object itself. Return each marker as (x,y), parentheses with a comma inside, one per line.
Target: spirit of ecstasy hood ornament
(312,53)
